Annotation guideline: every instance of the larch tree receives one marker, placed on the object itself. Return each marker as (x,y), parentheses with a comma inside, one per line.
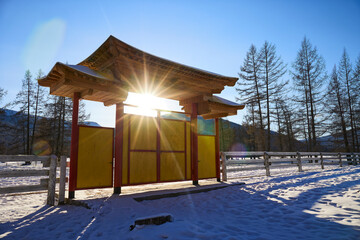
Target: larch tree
(336,105)
(250,87)
(272,68)
(346,77)
(25,100)
(309,75)
(39,105)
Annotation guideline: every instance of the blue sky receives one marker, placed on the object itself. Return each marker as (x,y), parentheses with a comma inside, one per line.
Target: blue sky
(211,35)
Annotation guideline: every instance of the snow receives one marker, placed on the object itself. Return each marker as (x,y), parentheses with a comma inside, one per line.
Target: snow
(316,204)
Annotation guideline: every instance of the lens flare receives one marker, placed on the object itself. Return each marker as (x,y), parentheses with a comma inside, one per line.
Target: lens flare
(43,44)
(41,148)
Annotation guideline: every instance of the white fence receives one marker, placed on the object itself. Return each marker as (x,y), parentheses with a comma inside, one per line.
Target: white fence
(248,161)
(49,163)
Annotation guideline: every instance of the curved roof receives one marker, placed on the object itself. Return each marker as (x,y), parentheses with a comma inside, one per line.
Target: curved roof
(116,68)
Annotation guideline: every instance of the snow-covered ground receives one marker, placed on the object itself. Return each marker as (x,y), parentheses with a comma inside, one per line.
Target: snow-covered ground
(318,204)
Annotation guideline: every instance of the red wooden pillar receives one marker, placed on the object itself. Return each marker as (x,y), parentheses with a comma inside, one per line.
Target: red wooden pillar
(119,128)
(74,145)
(158,150)
(217,149)
(194,143)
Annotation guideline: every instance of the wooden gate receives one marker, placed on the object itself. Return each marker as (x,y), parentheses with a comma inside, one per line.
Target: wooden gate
(155,149)
(158,149)
(95,157)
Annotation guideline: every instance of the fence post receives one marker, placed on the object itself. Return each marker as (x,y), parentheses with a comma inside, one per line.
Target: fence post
(354,159)
(340,161)
(62,179)
(52,181)
(299,161)
(223,166)
(266,163)
(321,161)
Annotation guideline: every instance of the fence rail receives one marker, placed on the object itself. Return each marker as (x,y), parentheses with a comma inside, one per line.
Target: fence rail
(49,170)
(248,161)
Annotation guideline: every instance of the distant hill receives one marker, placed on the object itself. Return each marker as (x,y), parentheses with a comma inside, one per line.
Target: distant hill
(11,136)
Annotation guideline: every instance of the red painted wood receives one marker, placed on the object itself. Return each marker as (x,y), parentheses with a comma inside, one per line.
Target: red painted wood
(185,150)
(194,143)
(74,145)
(158,155)
(217,149)
(129,143)
(119,133)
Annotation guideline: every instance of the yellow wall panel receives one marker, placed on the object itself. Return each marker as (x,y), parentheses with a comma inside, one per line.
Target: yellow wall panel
(142,167)
(172,135)
(143,133)
(206,156)
(172,166)
(95,157)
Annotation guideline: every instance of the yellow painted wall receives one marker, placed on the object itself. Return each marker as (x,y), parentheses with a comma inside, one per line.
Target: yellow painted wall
(206,156)
(95,157)
(142,167)
(172,135)
(172,166)
(143,133)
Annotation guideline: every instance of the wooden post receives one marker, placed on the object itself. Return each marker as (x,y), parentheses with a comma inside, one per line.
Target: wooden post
(74,145)
(217,149)
(158,147)
(62,179)
(223,166)
(321,161)
(299,161)
(194,143)
(52,181)
(266,163)
(340,160)
(119,129)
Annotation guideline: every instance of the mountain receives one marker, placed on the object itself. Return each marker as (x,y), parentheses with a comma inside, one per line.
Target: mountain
(12,134)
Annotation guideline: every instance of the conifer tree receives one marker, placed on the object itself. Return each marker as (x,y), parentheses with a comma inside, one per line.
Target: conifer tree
(25,100)
(346,77)
(251,88)
(272,69)
(336,107)
(309,75)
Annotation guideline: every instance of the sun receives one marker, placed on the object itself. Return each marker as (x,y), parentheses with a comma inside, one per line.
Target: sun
(144,104)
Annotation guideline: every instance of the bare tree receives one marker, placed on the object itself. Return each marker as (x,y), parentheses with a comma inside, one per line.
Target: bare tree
(39,105)
(336,107)
(309,75)
(24,99)
(346,77)
(251,88)
(272,69)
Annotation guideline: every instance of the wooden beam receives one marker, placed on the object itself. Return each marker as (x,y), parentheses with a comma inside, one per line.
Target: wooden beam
(23,173)
(56,86)
(222,107)
(196,99)
(113,101)
(110,88)
(214,115)
(86,92)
